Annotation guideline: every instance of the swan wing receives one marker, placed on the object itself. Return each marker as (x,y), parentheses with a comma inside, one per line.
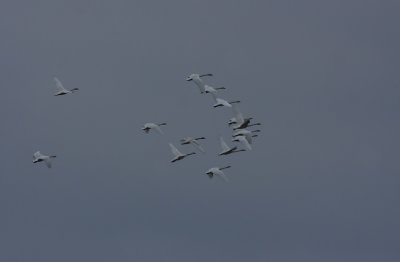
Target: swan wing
(59,85)
(199,83)
(221,174)
(224,146)
(238,115)
(198,146)
(223,102)
(174,150)
(158,129)
(245,142)
(47,161)
(248,137)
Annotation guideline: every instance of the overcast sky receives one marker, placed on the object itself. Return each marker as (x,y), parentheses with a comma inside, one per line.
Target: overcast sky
(322,183)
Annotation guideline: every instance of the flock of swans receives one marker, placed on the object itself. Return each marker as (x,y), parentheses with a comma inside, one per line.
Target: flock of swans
(238,123)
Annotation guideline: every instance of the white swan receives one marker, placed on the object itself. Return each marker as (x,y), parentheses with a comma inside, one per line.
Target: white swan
(217,171)
(238,121)
(39,157)
(221,102)
(194,142)
(178,155)
(209,89)
(196,78)
(61,90)
(226,150)
(149,126)
(244,141)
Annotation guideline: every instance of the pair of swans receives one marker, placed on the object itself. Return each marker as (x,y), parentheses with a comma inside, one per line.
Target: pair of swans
(196,78)
(61,90)
(186,141)
(219,102)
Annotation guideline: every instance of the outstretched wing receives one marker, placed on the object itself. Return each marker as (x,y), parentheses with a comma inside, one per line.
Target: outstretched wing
(245,142)
(249,138)
(238,115)
(221,174)
(174,150)
(48,162)
(224,146)
(198,146)
(199,83)
(59,85)
(158,129)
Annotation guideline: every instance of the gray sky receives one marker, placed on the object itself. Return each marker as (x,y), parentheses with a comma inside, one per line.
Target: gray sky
(322,183)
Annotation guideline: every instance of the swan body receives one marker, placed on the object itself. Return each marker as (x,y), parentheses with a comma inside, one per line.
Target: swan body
(226,150)
(222,102)
(217,171)
(152,126)
(61,90)
(209,89)
(196,78)
(39,157)
(194,142)
(178,155)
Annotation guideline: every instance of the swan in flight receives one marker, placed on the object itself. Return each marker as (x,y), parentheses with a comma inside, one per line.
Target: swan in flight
(226,150)
(38,157)
(221,102)
(178,155)
(217,171)
(238,121)
(61,90)
(209,89)
(149,126)
(196,78)
(244,141)
(194,142)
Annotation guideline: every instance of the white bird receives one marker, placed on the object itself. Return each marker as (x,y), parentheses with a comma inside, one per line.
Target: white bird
(238,121)
(226,150)
(178,155)
(217,171)
(196,78)
(221,102)
(149,126)
(194,142)
(38,157)
(209,89)
(61,90)
(244,141)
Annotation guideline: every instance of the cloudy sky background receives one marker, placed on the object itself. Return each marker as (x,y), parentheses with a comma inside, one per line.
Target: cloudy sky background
(322,183)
